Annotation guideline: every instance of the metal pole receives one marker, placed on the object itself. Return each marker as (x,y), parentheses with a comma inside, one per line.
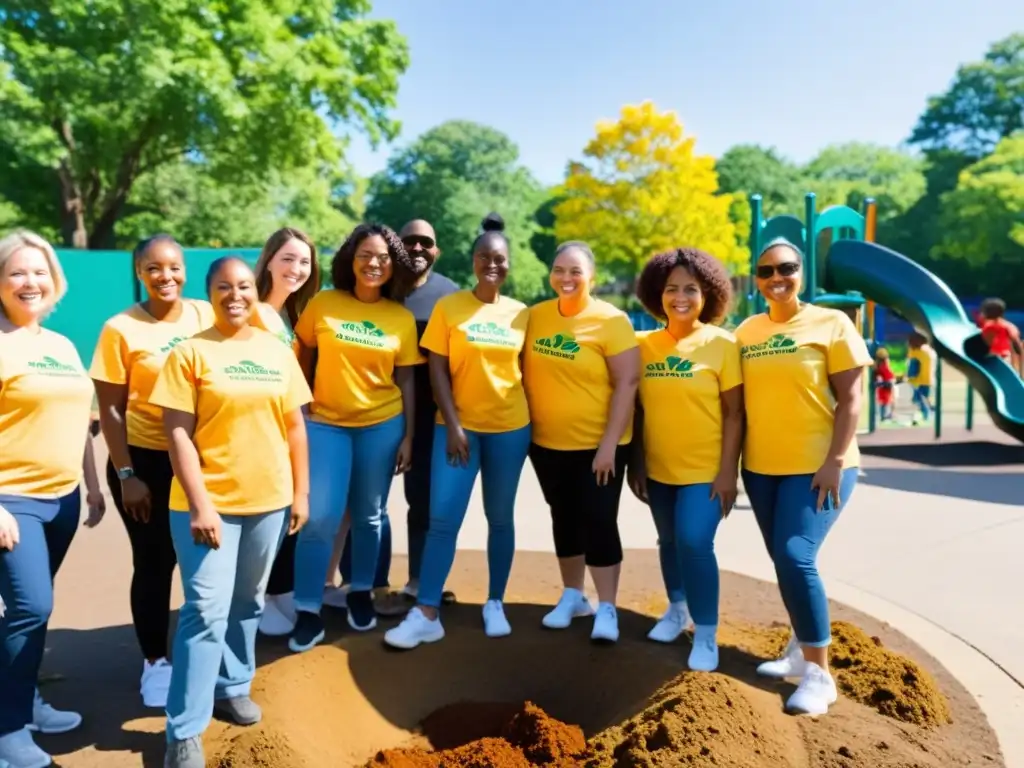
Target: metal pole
(810,248)
(756,225)
(938,400)
(970,408)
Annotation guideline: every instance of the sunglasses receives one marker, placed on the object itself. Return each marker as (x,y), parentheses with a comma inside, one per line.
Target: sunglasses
(786,269)
(425,242)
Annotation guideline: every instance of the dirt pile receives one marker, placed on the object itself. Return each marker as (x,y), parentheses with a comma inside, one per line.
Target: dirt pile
(257,748)
(471,735)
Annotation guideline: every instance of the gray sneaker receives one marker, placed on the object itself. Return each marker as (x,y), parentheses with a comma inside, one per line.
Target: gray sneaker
(19,749)
(240,710)
(187,753)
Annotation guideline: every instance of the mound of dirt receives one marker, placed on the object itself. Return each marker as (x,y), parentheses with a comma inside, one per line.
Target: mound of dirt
(256,748)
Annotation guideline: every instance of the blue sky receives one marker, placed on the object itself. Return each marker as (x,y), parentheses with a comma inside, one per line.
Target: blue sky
(794,74)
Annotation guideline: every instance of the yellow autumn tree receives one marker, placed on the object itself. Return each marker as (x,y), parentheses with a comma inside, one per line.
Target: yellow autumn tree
(642,189)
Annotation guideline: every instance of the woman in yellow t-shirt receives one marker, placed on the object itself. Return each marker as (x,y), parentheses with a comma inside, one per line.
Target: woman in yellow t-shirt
(687,436)
(802,370)
(361,420)
(45,413)
(287,277)
(131,350)
(232,397)
(581,368)
(475,339)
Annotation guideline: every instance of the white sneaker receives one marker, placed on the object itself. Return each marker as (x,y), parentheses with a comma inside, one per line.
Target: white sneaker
(278,617)
(704,654)
(573,604)
(817,690)
(156,682)
(19,750)
(415,628)
(606,624)
(336,597)
(495,623)
(790,664)
(46,719)
(671,625)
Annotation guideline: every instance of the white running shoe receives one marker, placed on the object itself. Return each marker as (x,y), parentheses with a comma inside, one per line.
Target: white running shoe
(47,719)
(817,690)
(18,748)
(573,604)
(495,622)
(704,653)
(278,617)
(156,682)
(675,621)
(415,628)
(606,624)
(790,664)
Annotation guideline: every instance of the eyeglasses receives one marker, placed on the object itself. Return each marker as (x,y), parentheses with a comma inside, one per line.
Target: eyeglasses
(785,269)
(425,242)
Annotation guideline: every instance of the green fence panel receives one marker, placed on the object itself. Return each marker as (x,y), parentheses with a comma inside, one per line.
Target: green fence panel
(100,284)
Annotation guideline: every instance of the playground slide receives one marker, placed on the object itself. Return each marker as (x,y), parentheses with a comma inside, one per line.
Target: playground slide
(892,280)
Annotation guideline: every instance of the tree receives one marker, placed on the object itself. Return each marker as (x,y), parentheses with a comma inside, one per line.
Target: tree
(642,189)
(95,96)
(984,104)
(452,176)
(983,218)
(747,169)
(543,242)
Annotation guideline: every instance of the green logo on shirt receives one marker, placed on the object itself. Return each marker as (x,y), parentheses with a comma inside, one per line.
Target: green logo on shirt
(564,346)
(672,368)
(172,344)
(49,366)
(247,370)
(489,333)
(365,333)
(779,344)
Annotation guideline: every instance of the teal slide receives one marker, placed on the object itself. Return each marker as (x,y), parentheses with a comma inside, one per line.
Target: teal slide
(892,280)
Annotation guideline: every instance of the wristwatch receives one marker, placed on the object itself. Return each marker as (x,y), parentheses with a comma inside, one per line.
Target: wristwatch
(125,472)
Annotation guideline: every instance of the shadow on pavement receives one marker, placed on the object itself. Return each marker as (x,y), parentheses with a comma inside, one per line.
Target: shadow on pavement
(952,454)
(991,487)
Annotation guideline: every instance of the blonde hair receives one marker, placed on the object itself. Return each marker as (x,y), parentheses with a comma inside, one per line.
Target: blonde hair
(297,301)
(23,238)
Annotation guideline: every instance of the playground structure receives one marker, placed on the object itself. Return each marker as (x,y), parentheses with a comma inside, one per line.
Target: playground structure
(845,269)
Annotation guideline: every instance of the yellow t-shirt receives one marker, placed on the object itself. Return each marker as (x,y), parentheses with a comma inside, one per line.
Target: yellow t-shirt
(269,319)
(239,391)
(482,343)
(681,383)
(566,373)
(790,405)
(132,349)
(358,345)
(45,409)
(925,364)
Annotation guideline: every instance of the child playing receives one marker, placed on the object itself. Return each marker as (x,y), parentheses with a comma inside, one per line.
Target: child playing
(1002,336)
(885,384)
(920,369)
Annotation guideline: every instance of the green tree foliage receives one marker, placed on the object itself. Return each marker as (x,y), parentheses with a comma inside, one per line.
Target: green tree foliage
(984,104)
(452,176)
(95,96)
(747,169)
(984,216)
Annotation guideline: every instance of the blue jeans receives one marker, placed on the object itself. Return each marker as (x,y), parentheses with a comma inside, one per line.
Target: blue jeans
(687,519)
(793,531)
(498,457)
(381,577)
(350,468)
(46,528)
(920,398)
(215,644)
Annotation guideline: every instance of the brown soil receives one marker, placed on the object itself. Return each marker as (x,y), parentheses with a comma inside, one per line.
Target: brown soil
(350,701)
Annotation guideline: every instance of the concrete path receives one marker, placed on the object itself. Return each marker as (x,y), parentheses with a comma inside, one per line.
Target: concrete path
(935,551)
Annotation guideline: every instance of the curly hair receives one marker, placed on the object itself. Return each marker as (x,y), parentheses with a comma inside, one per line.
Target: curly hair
(706,270)
(403,277)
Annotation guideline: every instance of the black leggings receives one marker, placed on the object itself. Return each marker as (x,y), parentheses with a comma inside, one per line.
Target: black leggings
(584,515)
(153,555)
(282,575)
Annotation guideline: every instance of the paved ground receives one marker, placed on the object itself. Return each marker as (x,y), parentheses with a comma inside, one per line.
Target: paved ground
(931,544)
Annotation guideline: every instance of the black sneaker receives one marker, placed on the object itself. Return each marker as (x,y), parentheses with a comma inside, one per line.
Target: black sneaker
(361,614)
(308,632)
